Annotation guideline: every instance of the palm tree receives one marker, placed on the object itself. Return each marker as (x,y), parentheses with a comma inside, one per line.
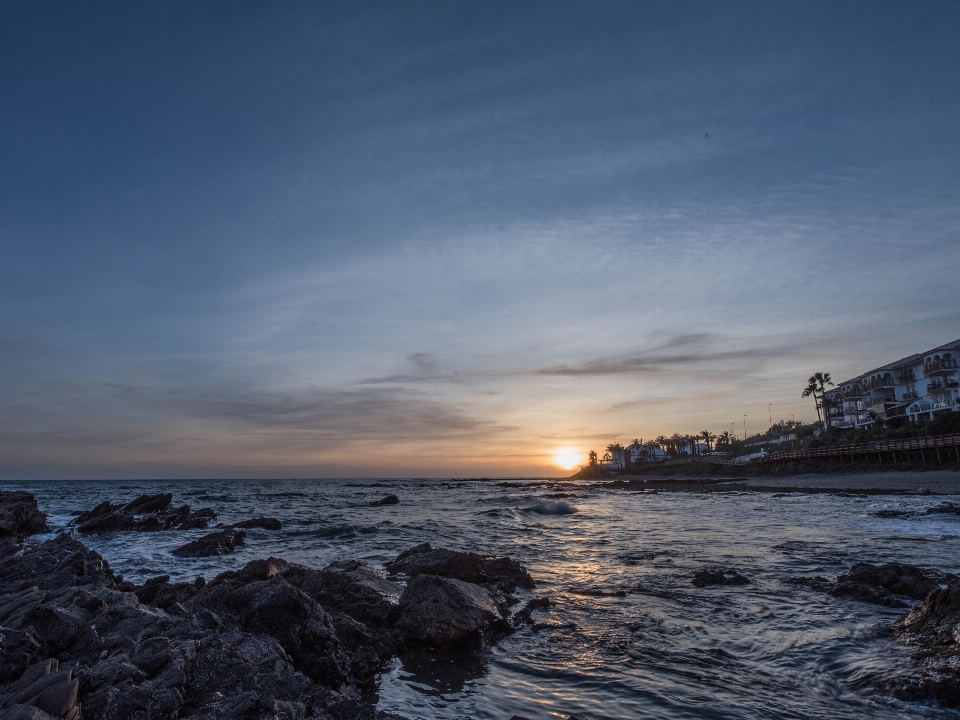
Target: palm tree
(676,441)
(812,389)
(708,438)
(724,438)
(824,379)
(661,442)
(637,447)
(817,386)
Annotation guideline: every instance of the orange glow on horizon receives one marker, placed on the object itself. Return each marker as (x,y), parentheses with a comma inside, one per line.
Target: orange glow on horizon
(568,458)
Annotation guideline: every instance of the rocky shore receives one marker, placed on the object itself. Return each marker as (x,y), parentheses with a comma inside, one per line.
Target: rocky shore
(276,639)
(271,640)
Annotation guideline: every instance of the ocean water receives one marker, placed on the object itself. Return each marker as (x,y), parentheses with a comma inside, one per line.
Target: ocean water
(628,635)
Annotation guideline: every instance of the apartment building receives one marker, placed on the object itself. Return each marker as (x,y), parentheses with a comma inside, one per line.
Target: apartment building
(916,387)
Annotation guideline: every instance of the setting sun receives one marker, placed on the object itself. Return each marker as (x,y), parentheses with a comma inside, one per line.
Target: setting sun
(568,458)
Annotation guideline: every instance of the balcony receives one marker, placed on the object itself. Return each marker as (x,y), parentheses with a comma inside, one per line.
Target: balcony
(910,396)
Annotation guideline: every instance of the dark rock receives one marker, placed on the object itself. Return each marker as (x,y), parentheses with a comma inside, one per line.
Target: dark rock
(230,649)
(448,613)
(388,500)
(933,627)
(524,615)
(415,550)
(881,584)
(148,504)
(147,513)
(892,513)
(20,516)
(944,508)
(263,522)
(504,574)
(217,543)
(719,576)
(815,582)
(352,588)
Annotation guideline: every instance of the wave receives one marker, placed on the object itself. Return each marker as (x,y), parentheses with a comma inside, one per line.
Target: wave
(560,507)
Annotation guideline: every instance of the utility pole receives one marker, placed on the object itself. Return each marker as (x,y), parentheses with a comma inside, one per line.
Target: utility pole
(744,428)
(770,410)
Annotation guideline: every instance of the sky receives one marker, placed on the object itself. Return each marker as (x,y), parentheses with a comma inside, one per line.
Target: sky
(411,239)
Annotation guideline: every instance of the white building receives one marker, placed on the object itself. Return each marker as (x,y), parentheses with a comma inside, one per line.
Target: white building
(916,387)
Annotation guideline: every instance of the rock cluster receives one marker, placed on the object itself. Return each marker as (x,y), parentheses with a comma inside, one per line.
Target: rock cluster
(147,513)
(272,640)
(888,585)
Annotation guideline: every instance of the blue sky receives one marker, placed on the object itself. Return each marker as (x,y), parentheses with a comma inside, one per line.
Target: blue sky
(342,239)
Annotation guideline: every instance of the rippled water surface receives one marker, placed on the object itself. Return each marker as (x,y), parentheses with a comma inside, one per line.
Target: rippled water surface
(629,636)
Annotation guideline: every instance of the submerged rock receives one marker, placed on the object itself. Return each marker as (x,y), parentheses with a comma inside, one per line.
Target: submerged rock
(882,584)
(948,508)
(719,576)
(388,500)
(266,523)
(218,543)
(20,516)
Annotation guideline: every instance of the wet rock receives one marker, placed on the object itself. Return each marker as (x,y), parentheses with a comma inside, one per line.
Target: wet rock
(893,513)
(719,576)
(448,613)
(415,550)
(20,516)
(252,648)
(266,523)
(388,500)
(217,543)
(147,513)
(502,573)
(814,582)
(882,584)
(948,508)
(933,628)
(524,615)
(350,587)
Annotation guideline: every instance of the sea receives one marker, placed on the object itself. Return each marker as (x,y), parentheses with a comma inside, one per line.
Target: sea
(628,635)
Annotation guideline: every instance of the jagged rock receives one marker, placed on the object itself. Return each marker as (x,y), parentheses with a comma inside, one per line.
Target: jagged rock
(20,516)
(933,627)
(445,612)
(349,587)
(388,500)
(881,584)
(147,513)
(218,543)
(719,576)
(504,574)
(234,648)
(263,522)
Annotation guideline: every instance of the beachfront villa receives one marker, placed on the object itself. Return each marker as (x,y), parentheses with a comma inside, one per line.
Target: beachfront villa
(916,387)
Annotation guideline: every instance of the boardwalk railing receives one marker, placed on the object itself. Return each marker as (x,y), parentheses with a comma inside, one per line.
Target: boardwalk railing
(937,447)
